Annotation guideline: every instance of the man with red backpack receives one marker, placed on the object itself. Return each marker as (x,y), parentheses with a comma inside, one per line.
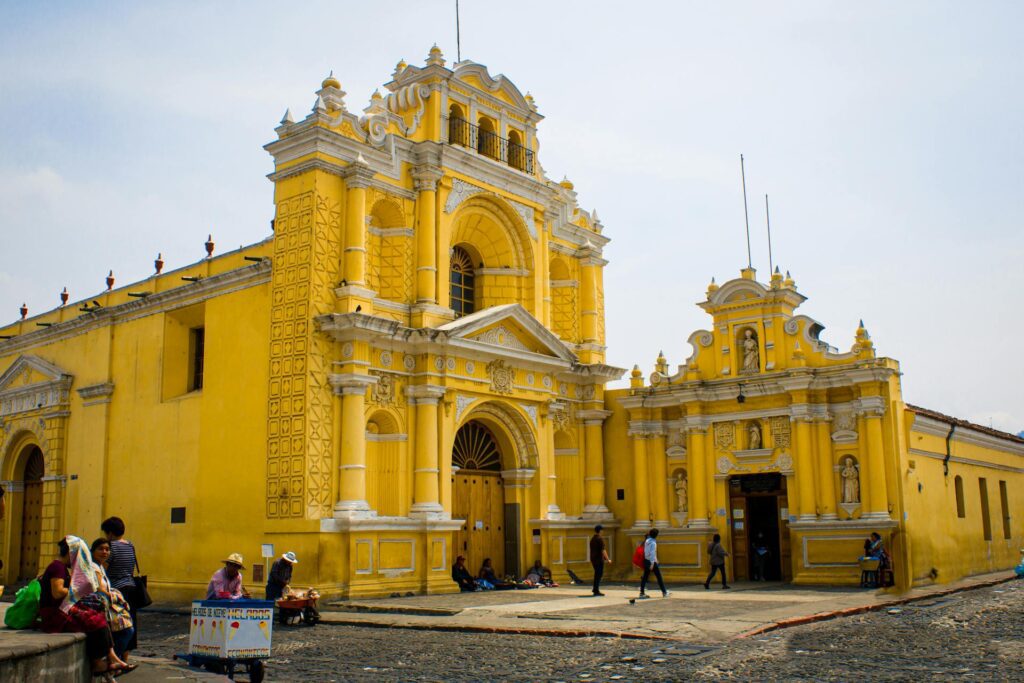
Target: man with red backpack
(650,560)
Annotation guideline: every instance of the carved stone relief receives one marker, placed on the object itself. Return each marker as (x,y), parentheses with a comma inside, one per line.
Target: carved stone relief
(725,435)
(501,376)
(779,426)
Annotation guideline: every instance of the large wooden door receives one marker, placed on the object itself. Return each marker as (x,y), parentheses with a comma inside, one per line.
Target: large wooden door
(31,516)
(740,541)
(478,498)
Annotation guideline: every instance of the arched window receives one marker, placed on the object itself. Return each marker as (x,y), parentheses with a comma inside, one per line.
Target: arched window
(475,448)
(487,138)
(458,126)
(462,283)
(958,486)
(516,151)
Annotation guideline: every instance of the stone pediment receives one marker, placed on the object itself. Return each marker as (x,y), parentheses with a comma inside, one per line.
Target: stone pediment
(31,383)
(509,327)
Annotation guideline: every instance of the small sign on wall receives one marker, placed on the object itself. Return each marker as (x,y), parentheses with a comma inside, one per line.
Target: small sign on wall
(267,550)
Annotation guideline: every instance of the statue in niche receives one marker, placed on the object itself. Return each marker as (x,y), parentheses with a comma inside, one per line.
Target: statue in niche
(751,359)
(851,481)
(754,436)
(680,485)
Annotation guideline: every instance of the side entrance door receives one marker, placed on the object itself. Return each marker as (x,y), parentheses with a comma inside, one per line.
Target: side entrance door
(32,517)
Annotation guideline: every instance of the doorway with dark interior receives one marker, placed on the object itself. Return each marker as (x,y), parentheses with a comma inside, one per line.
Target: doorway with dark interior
(760,534)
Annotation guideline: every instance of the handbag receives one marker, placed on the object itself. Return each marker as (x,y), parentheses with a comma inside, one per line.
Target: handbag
(118,612)
(638,555)
(141,588)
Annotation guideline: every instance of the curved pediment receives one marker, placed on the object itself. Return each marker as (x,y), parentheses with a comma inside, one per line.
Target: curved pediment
(476,75)
(738,290)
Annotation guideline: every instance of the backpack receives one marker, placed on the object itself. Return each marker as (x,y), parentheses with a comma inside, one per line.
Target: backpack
(638,555)
(22,614)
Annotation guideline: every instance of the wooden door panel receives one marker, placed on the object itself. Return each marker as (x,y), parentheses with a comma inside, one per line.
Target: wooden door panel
(784,550)
(740,543)
(31,528)
(478,499)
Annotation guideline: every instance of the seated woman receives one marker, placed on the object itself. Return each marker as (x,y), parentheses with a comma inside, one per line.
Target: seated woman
(118,612)
(488,579)
(461,576)
(539,575)
(65,606)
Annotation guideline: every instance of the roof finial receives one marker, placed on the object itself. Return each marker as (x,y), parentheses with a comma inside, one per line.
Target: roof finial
(287,118)
(331,81)
(435,58)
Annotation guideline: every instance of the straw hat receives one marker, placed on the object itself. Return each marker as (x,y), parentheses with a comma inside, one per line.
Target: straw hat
(235,558)
(290,556)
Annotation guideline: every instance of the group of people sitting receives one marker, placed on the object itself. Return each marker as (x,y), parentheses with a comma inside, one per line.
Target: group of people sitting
(486,579)
(79,593)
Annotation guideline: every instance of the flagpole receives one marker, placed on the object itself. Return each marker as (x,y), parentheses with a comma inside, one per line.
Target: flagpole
(746,217)
(768,221)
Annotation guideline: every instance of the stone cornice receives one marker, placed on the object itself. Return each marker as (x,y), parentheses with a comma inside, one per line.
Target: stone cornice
(351,383)
(205,288)
(96,393)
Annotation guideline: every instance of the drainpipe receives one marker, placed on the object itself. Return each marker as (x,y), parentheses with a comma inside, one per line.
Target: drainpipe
(945,461)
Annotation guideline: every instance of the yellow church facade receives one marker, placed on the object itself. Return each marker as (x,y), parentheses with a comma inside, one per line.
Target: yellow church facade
(412,367)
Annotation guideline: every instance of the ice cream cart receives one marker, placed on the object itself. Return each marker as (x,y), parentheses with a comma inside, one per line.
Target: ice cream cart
(226,636)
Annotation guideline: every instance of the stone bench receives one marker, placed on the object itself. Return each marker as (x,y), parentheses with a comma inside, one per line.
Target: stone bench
(34,656)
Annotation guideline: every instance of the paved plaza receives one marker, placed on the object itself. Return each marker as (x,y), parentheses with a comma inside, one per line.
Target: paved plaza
(974,634)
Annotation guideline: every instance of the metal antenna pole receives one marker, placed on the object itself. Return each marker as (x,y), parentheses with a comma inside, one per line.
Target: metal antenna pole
(768,220)
(746,217)
(458,40)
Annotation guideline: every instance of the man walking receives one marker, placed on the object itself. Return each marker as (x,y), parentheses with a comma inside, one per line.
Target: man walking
(598,558)
(717,554)
(651,565)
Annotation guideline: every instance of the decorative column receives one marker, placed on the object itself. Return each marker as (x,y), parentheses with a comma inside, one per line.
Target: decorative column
(697,471)
(879,498)
(594,506)
(357,178)
(588,294)
(826,470)
(426,466)
(352,476)
(641,492)
(804,445)
(426,178)
(658,462)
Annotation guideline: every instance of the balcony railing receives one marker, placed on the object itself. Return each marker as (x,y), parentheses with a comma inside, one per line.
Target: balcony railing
(462,132)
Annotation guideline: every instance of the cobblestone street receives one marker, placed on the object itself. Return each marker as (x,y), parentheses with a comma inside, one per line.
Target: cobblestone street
(976,634)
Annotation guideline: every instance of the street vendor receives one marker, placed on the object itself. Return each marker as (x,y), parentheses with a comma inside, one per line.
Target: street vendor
(226,583)
(280,575)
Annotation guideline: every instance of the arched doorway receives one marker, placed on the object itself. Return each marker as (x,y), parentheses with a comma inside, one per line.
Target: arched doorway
(478,497)
(31,512)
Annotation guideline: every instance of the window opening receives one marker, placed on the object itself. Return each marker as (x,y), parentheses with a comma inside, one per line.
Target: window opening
(958,487)
(197,346)
(1005,501)
(986,522)
(463,283)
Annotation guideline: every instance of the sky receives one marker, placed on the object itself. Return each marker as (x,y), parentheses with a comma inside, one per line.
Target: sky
(888,136)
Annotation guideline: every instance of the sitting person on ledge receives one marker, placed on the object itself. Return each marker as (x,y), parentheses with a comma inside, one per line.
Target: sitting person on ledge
(489,580)
(539,575)
(461,576)
(226,583)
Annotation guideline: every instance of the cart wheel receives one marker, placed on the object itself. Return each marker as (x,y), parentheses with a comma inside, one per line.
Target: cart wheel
(310,616)
(256,672)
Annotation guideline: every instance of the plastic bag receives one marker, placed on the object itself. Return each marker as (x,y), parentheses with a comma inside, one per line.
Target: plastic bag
(638,555)
(23,613)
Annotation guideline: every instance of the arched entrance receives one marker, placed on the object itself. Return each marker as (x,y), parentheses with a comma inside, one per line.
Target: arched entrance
(31,512)
(478,497)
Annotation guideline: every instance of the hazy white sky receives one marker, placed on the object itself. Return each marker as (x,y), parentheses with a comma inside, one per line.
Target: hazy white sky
(887,134)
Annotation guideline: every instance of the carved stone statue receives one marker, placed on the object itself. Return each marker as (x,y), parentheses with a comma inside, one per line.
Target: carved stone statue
(681,504)
(754,439)
(751,359)
(851,482)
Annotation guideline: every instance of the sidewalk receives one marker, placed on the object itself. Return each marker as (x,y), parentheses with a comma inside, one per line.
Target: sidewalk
(690,613)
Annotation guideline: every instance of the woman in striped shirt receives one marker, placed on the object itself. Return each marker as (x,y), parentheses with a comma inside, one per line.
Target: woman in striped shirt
(120,568)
